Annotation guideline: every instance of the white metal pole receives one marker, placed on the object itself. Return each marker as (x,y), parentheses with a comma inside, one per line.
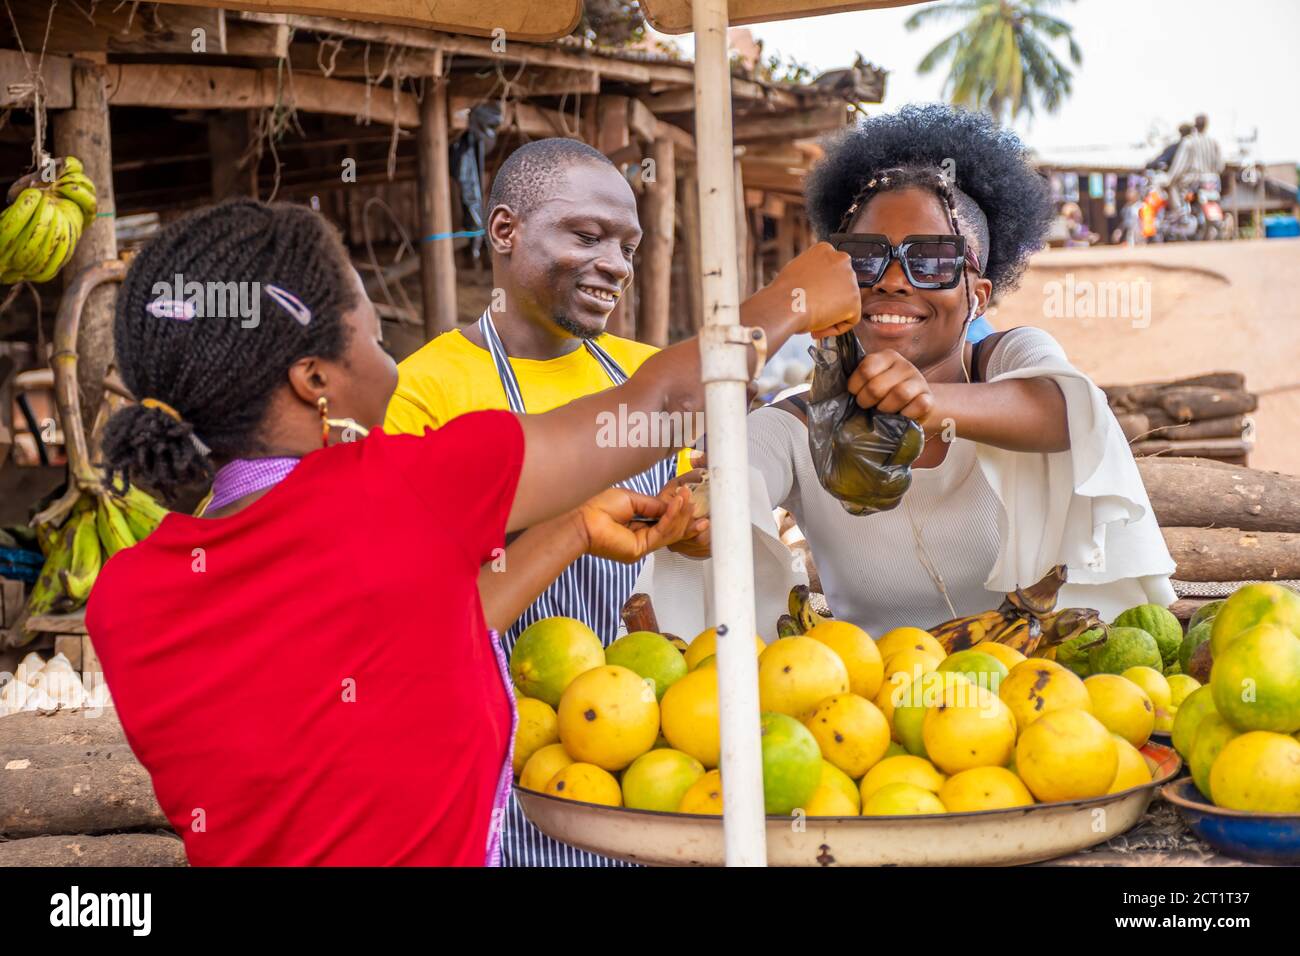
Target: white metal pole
(725,361)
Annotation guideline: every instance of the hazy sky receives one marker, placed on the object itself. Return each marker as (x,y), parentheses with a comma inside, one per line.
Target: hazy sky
(1145,63)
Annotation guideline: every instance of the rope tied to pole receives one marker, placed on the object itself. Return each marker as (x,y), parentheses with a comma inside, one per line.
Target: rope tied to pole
(34,84)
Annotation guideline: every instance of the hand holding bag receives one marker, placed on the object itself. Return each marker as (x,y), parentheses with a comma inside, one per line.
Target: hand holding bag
(861,456)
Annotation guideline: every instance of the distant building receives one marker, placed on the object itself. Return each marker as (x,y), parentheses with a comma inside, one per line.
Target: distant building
(1098,179)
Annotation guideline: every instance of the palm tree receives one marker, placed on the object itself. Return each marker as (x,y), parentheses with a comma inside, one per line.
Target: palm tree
(1001,59)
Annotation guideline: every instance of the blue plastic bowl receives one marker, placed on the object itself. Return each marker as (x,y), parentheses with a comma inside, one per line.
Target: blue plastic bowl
(1272,838)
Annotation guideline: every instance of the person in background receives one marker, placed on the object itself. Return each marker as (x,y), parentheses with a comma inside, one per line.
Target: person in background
(1129,230)
(1166,157)
(1077,233)
(1198,155)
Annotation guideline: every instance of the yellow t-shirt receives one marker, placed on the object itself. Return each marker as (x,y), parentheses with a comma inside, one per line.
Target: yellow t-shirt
(451,376)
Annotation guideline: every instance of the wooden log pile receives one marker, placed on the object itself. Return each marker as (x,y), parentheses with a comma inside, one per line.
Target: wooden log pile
(1224,522)
(73,794)
(1206,416)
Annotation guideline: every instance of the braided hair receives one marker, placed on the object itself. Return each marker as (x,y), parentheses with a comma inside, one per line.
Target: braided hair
(981,171)
(216,368)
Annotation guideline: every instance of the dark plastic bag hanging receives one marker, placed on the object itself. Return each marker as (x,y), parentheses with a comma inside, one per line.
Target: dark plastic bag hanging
(861,456)
(467,156)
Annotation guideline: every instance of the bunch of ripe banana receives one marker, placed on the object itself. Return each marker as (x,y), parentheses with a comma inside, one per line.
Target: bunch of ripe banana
(1027,621)
(39,230)
(101,523)
(807,610)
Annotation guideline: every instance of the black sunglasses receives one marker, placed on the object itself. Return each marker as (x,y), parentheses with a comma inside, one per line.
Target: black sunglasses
(929,262)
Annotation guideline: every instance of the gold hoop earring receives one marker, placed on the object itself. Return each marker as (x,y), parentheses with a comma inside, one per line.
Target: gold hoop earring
(326,423)
(322,406)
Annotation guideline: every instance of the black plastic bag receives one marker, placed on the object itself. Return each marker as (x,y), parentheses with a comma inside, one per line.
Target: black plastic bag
(467,156)
(861,456)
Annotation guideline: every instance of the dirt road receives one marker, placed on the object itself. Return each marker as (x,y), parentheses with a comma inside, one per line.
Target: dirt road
(1168,311)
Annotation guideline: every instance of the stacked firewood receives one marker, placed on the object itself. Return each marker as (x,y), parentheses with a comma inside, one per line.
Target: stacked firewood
(1223,522)
(1206,416)
(73,794)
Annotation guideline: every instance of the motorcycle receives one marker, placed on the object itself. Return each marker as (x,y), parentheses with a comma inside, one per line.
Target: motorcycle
(1206,202)
(1199,217)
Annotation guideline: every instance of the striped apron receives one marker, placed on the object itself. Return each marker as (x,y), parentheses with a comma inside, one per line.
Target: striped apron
(593,590)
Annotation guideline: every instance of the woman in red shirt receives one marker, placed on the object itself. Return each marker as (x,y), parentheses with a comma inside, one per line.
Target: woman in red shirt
(305,670)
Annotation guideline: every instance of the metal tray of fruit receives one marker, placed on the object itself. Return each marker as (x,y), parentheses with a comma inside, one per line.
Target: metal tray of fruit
(1044,831)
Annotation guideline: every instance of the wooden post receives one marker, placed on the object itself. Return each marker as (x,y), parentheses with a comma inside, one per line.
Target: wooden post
(228,139)
(724,370)
(83,131)
(691,242)
(785,238)
(437,259)
(658,219)
(742,235)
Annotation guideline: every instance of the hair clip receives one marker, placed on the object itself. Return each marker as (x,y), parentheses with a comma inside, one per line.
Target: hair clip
(172,309)
(290,303)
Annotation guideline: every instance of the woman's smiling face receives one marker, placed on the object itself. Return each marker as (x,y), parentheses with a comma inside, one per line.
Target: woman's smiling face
(921,325)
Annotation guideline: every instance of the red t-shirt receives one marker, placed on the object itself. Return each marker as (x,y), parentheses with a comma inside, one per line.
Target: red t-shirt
(310,681)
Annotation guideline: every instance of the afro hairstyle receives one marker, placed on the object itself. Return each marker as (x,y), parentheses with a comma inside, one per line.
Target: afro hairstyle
(980,159)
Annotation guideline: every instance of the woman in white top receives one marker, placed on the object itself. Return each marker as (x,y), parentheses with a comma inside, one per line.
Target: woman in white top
(1024,466)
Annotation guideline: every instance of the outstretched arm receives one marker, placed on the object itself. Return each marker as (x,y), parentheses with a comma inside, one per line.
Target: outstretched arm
(563,462)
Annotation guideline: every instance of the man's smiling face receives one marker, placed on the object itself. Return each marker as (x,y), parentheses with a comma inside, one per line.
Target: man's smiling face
(571,254)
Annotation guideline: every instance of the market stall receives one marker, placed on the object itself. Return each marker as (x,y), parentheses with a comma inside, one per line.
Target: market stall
(1007,754)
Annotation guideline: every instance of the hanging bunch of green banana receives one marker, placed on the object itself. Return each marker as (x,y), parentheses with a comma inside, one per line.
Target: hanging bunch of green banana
(1023,621)
(100,524)
(40,228)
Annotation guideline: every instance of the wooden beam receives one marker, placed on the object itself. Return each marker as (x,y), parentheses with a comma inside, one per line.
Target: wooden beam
(683,141)
(799,152)
(779,155)
(631,153)
(354,60)
(537,82)
(792,125)
(785,236)
(437,262)
(658,219)
(773,177)
(227,87)
(625,71)
(682,100)
(260,40)
(611,124)
(690,206)
(742,232)
(753,92)
(120,27)
(641,122)
(674,101)
(83,131)
(55,74)
(528,119)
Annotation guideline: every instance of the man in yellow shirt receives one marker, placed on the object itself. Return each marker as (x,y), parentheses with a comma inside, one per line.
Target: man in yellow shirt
(562,229)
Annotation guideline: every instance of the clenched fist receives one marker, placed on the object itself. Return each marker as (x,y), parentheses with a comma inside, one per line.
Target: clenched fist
(820,285)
